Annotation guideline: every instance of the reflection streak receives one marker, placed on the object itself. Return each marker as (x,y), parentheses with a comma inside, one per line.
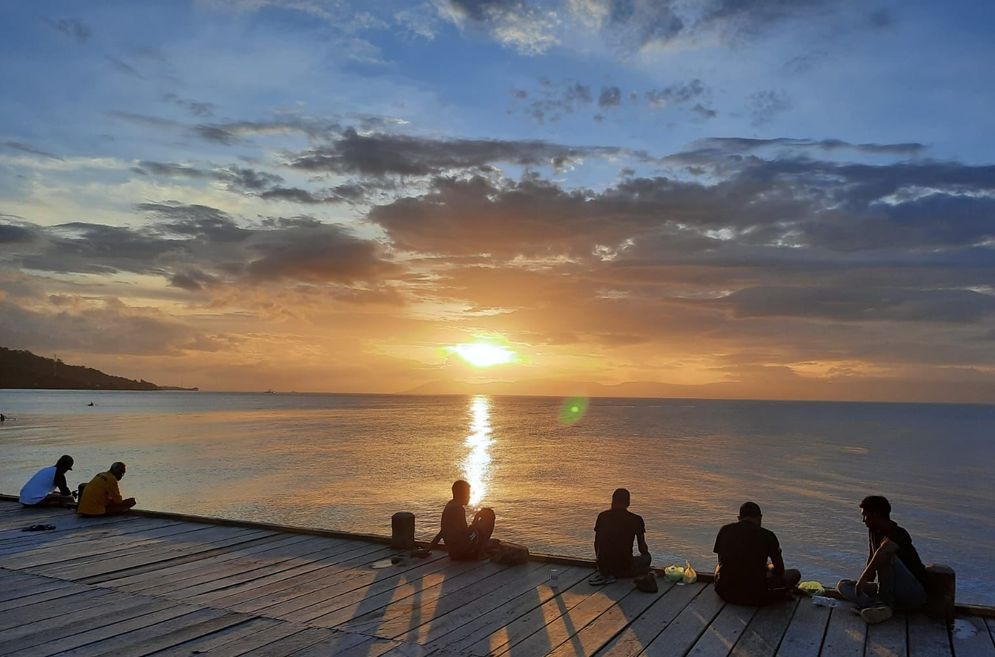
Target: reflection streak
(476,465)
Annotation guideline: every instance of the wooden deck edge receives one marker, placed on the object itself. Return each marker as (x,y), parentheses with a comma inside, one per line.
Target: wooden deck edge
(707,577)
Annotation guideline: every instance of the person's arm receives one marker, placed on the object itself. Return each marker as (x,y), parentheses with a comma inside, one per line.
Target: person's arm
(435,541)
(881,555)
(641,540)
(774,554)
(114,492)
(60,483)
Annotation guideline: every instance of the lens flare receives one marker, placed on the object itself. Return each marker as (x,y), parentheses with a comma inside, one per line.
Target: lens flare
(481,354)
(573,410)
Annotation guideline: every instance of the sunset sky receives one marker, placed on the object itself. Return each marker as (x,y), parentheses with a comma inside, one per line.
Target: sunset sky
(731,198)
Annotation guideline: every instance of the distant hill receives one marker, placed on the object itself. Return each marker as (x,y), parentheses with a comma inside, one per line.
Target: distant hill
(23,369)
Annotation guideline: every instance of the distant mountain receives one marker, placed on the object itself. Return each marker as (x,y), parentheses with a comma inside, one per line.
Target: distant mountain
(23,369)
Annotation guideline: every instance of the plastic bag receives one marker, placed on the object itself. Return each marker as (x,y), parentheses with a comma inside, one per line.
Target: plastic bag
(690,574)
(685,574)
(812,588)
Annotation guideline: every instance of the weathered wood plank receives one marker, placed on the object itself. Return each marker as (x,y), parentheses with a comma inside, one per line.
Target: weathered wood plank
(27,615)
(803,638)
(723,632)
(845,634)
(294,643)
(928,637)
(208,642)
(147,641)
(685,630)
(763,634)
(978,644)
(634,638)
(889,639)
(251,641)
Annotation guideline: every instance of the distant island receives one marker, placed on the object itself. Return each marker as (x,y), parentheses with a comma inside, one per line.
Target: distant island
(23,369)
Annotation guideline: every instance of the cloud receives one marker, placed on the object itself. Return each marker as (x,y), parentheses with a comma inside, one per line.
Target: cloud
(551,101)
(676,94)
(27,148)
(71,27)
(744,145)
(195,108)
(610,97)
(386,154)
(123,67)
(237,178)
(766,105)
(518,24)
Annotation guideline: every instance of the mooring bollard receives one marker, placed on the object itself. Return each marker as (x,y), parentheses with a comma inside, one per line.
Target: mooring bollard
(402,530)
(941,590)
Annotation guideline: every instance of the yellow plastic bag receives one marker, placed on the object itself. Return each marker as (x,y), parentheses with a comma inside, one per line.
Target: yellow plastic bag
(812,588)
(674,573)
(690,575)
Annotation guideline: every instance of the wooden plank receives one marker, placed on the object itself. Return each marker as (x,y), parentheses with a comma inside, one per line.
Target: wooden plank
(252,641)
(685,630)
(428,596)
(215,640)
(343,644)
(72,538)
(763,634)
(146,641)
(978,644)
(845,634)
(86,636)
(561,623)
(723,632)
(37,612)
(889,639)
(803,638)
(928,637)
(45,594)
(486,623)
(492,639)
(596,634)
(293,643)
(29,588)
(465,606)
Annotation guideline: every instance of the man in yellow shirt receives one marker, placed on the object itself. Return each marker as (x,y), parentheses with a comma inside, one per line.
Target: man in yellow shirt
(102,497)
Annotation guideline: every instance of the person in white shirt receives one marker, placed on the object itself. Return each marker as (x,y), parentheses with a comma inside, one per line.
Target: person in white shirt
(48,487)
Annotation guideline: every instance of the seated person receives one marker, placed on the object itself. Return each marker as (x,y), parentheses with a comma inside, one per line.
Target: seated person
(744,576)
(892,561)
(102,497)
(464,542)
(614,533)
(41,488)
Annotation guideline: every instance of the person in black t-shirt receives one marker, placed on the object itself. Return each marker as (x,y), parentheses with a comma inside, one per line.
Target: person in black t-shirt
(744,575)
(464,542)
(614,533)
(892,561)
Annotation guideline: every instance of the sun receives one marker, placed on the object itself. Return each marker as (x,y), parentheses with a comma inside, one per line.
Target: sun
(481,354)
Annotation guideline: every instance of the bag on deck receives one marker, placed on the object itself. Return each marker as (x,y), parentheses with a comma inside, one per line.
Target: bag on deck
(510,554)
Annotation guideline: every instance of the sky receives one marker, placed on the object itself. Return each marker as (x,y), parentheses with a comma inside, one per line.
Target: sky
(786,199)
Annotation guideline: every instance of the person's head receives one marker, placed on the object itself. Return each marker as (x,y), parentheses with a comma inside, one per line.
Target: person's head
(461,492)
(750,511)
(876,512)
(118,470)
(620,499)
(64,463)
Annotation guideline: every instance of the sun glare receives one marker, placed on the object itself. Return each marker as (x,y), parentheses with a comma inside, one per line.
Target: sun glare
(480,354)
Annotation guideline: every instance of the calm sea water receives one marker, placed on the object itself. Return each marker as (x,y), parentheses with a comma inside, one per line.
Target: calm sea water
(349,462)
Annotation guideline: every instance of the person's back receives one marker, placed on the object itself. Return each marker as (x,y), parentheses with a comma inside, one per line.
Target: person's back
(743,575)
(102,496)
(454,530)
(615,532)
(41,488)
(464,541)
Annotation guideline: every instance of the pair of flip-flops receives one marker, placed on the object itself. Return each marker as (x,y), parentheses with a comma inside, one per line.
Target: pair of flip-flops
(597,579)
(38,528)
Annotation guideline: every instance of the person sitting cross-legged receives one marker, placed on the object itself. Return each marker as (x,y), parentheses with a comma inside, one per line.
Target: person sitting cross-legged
(894,577)
(464,542)
(751,570)
(614,533)
(102,496)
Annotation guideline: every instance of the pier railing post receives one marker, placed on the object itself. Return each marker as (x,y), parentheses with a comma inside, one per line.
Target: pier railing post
(402,530)
(941,589)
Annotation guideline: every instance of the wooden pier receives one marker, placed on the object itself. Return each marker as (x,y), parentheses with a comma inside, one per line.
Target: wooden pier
(160,585)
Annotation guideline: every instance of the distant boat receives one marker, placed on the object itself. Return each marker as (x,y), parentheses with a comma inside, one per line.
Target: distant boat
(270,392)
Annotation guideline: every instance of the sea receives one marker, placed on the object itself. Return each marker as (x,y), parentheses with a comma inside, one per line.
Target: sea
(547,466)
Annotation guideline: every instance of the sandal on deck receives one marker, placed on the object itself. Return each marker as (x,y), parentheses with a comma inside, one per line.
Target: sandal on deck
(38,528)
(597,579)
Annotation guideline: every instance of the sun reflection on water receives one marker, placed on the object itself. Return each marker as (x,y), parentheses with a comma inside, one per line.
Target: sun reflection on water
(477,464)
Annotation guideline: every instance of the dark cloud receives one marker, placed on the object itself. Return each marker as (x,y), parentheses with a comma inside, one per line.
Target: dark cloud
(744,144)
(610,97)
(195,108)
(71,27)
(27,148)
(676,94)
(237,178)
(386,154)
(766,105)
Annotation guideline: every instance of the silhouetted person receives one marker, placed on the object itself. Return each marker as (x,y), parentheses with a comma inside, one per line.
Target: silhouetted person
(3,418)
(102,497)
(751,569)
(48,486)
(614,533)
(892,561)
(464,542)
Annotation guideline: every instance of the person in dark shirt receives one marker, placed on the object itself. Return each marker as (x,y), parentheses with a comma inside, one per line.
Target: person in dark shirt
(464,542)
(894,577)
(614,533)
(751,569)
